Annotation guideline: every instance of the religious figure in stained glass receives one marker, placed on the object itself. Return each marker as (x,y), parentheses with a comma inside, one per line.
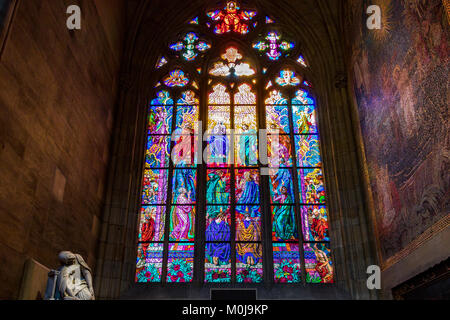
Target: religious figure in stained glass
(218,231)
(284,225)
(248,193)
(276,98)
(319,268)
(248,147)
(152,223)
(182,219)
(231,19)
(315,223)
(217,192)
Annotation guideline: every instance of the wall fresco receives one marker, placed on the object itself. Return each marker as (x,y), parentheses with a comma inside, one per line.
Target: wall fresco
(401,83)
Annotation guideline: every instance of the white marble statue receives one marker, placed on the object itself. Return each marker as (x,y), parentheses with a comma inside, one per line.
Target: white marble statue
(72,280)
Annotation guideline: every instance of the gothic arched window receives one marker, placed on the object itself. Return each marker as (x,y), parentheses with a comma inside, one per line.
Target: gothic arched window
(233,187)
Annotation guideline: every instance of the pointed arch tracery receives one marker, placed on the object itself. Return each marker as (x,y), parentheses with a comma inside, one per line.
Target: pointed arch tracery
(223,221)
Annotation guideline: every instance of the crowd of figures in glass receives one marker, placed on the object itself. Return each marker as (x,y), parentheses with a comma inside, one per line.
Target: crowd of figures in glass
(228,205)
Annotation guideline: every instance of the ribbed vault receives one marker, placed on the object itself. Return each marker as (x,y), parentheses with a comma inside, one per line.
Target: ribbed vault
(319,28)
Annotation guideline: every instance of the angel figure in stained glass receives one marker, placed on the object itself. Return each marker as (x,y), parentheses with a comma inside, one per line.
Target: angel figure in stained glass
(231,19)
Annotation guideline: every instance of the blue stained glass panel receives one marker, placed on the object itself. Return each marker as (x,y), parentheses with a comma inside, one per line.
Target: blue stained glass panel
(247,187)
(277,118)
(218,223)
(217,262)
(184,186)
(308,152)
(281,186)
(304,119)
(158,152)
(162,99)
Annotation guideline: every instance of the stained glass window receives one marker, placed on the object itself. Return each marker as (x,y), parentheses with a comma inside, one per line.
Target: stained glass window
(233,184)
(176,78)
(213,210)
(302,61)
(297,190)
(231,19)
(273,46)
(231,65)
(162,62)
(191,46)
(287,78)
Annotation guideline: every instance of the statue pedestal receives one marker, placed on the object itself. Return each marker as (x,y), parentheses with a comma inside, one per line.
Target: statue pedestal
(34,281)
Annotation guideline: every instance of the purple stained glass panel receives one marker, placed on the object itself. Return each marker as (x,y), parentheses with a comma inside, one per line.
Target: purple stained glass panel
(182,223)
(218,223)
(217,262)
(160,119)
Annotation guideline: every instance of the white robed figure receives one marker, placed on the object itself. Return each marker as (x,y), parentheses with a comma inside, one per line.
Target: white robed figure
(72,281)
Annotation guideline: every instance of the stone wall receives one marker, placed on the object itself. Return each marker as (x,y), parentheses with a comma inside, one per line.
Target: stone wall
(57,103)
